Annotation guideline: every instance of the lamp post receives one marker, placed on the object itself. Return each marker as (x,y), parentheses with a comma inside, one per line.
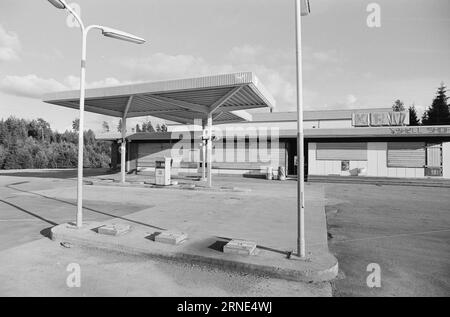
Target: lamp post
(301,9)
(108,32)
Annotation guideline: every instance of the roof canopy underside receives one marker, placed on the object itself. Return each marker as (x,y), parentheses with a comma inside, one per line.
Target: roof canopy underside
(183,101)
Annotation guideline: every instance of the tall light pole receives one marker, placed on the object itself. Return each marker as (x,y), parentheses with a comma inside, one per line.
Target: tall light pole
(108,32)
(301,9)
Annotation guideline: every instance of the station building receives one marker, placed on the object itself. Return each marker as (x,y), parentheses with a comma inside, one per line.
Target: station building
(348,143)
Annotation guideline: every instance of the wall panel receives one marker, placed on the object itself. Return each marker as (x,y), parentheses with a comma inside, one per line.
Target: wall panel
(356,151)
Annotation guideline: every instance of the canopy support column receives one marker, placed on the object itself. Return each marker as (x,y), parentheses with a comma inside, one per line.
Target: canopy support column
(123,146)
(203,152)
(123,150)
(209,149)
(212,109)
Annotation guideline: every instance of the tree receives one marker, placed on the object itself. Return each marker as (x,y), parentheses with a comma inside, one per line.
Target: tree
(147,126)
(138,128)
(161,127)
(33,144)
(398,106)
(3,154)
(40,129)
(76,125)
(11,159)
(119,126)
(438,113)
(413,118)
(105,127)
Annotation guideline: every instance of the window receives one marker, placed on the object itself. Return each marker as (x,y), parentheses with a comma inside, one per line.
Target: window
(345,166)
(406,154)
(342,151)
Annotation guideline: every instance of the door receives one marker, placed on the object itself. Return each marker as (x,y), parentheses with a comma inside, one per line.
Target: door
(292,159)
(433,160)
(291,149)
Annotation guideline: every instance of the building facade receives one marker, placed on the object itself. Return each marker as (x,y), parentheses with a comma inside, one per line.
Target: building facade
(364,143)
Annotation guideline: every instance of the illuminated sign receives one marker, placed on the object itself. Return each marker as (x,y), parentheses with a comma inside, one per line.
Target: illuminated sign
(380,118)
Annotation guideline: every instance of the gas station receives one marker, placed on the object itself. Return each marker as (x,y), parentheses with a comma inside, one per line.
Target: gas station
(222,99)
(216,99)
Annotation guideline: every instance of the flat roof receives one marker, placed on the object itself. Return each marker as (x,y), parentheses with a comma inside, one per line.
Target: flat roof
(335,114)
(345,133)
(311,115)
(373,132)
(181,100)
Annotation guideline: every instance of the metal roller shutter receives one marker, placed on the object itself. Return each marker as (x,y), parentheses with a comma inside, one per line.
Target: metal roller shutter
(148,153)
(341,151)
(406,154)
(262,155)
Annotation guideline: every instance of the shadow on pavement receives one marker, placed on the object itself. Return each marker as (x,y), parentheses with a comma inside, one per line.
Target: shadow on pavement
(46,232)
(72,204)
(28,212)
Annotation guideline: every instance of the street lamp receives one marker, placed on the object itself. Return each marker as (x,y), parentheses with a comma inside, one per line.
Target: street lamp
(302,8)
(108,32)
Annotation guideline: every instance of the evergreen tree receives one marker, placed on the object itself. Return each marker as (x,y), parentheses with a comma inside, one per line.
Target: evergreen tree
(161,127)
(438,113)
(76,125)
(119,126)
(147,126)
(398,106)
(105,127)
(3,154)
(32,144)
(413,118)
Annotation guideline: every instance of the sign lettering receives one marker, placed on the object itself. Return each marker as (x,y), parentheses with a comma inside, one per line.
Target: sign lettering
(379,118)
(420,130)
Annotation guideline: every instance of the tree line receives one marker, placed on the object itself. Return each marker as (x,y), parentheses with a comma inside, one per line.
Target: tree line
(145,126)
(26,144)
(438,113)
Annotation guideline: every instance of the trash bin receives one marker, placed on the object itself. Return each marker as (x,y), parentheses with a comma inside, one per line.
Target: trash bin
(269,173)
(281,173)
(162,172)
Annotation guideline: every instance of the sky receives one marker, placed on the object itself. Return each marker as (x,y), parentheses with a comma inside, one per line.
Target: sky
(347,64)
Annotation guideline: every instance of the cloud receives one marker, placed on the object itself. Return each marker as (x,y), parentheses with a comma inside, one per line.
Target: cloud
(275,68)
(351,99)
(161,66)
(9,46)
(32,86)
(349,102)
(330,56)
(246,53)
(73,83)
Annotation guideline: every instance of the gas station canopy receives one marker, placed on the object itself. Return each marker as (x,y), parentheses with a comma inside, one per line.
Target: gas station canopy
(218,99)
(225,97)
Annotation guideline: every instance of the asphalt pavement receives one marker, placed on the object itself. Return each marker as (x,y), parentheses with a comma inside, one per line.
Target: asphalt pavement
(403,229)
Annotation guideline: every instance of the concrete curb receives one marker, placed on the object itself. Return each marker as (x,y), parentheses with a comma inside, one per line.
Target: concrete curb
(379,181)
(141,184)
(321,268)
